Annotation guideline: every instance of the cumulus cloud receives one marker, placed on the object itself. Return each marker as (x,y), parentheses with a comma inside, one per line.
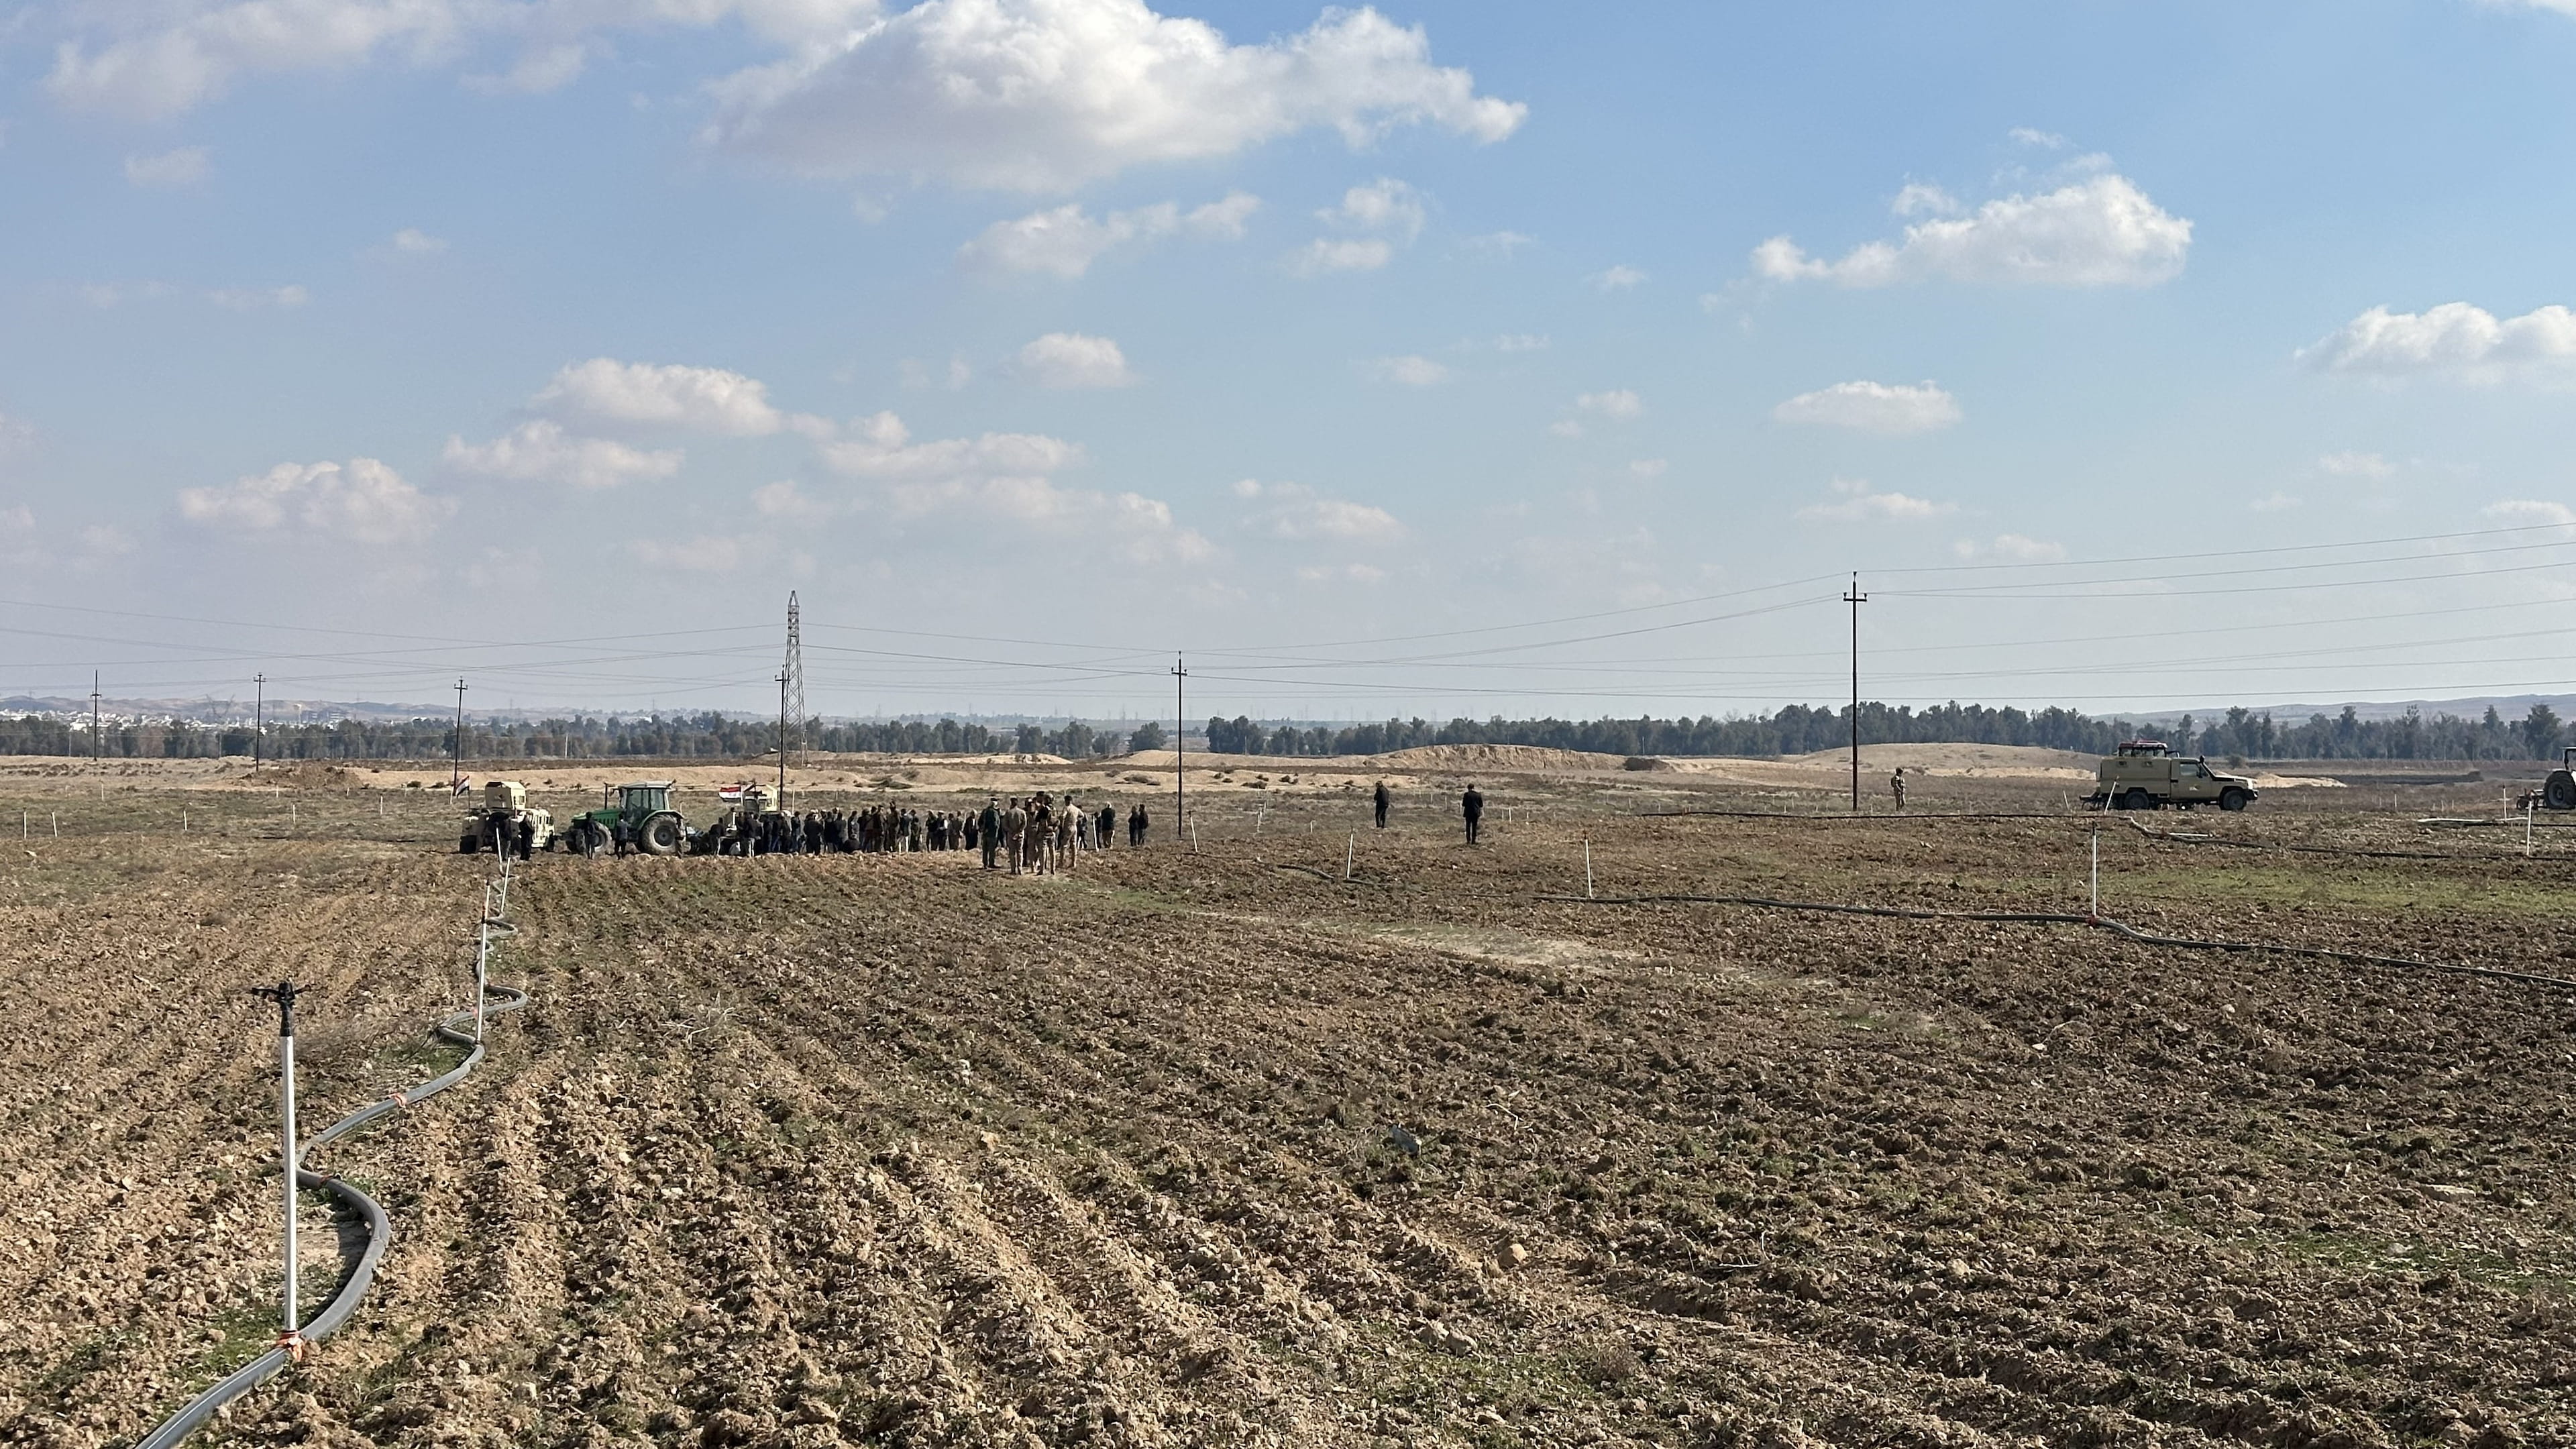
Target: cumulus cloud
(1615,279)
(1521,342)
(1376,219)
(1872,407)
(1066,240)
(186,166)
(1856,502)
(2454,340)
(2009,548)
(158,61)
(1293,512)
(697,399)
(415,242)
(2356,465)
(1618,405)
(540,451)
(1005,478)
(1410,371)
(1071,359)
(361,501)
(2275,502)
(2531,511)
(2100,232)
(1045,95)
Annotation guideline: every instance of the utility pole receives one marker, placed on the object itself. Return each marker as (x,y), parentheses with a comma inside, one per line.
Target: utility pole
(782,738)
(96,753)
(456,745)
(291,1338)
(1180,736)
(258,715)
(1855,598)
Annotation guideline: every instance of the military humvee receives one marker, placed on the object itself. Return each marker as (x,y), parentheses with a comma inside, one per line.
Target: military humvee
(505,804)
(2148,775)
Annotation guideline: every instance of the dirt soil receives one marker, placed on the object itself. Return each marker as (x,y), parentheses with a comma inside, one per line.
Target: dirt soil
(1213,1148)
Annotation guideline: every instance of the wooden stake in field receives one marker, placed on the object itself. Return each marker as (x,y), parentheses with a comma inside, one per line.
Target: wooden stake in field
(1587,867)
(1349,848)
(2096,909)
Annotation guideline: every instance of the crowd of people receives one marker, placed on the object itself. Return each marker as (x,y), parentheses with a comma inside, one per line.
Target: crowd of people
(1039,833)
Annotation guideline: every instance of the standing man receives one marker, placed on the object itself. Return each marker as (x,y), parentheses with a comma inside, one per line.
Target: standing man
(1896,783)
(527,835)
(1472,804)
(988,831)
(1136,823)
(1108,825)
(1382,798)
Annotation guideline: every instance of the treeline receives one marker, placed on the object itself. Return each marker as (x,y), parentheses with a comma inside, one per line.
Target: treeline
(1795,730)
(708,735)
(1801,729)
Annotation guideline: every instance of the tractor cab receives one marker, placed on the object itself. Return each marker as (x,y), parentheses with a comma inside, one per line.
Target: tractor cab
(639,800)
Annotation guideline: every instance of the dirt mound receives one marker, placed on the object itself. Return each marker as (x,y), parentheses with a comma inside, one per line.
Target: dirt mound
(1965,759)
(1498,759)
(305,775)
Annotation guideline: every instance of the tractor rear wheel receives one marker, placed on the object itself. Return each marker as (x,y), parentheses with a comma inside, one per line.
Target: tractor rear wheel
(589,839)
(2560,792)
(2137,799)
(660,835)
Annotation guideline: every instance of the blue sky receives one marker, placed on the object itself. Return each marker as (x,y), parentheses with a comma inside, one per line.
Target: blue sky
(1437,358)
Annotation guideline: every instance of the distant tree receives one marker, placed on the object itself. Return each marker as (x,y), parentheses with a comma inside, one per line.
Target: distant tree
(2540,730)
(1146,736)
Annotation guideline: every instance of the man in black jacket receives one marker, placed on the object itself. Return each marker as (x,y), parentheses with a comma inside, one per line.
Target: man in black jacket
(1383,799)
(1473,805)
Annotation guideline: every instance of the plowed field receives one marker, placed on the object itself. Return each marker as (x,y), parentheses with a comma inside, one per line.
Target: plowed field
(1213,1148)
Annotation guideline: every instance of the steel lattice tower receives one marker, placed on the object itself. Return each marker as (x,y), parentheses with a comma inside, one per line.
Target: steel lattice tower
(794,724)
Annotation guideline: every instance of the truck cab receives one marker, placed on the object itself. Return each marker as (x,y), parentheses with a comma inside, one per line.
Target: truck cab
(505,807)
(2148,775)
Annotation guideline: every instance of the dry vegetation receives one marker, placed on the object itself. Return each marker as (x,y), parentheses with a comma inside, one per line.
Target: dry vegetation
(1213,1148)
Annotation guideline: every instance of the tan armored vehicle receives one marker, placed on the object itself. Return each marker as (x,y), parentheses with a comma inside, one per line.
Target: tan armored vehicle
(505,805)
(2148,775)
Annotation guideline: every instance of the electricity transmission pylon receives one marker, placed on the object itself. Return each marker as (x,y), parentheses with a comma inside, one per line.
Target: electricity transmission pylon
(793,727)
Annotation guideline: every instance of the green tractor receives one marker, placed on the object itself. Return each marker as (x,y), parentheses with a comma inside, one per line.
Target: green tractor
(637,816)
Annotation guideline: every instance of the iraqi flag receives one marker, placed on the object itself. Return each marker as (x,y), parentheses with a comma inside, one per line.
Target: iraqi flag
(731,794)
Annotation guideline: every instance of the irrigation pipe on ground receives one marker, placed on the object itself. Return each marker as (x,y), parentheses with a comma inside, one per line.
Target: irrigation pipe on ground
(456,1028)
(2069,918)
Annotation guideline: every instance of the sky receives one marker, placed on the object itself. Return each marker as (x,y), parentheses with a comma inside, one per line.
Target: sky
(1432,359)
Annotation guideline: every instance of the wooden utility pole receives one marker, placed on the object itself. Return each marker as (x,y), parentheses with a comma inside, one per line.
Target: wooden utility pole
(1180,733)
(1855,598)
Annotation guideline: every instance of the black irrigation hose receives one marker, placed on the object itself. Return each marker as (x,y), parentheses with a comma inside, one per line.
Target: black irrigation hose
(1821,816)
(2068,918)
(457,1029)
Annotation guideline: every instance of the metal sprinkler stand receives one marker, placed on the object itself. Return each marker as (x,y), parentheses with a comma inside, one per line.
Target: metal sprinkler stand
(284,993)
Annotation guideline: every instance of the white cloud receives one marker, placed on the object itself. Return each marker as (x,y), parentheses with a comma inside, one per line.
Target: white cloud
(418,243)
(2007,547)
(1293,513)
(786,500)
(15,433)
(1410,371)
(1566,428)
(1384,214)
(2531,511)
(1341,254)
(699,399)
(2454,339)
(158,61)
(1858,503)
(2045,140)
(541,451)
(2101,232)
(186,166)
(1618,405)
(2356,465)
(1648,467)
(1066,240)
(1872,407)
(1616,279)
(2276,502)
(1499,246)
(1346,573)
(1071,359)
(1920,199)
(252,299)
(1044,95)
(882,448)
(362,501)
(1521,342)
